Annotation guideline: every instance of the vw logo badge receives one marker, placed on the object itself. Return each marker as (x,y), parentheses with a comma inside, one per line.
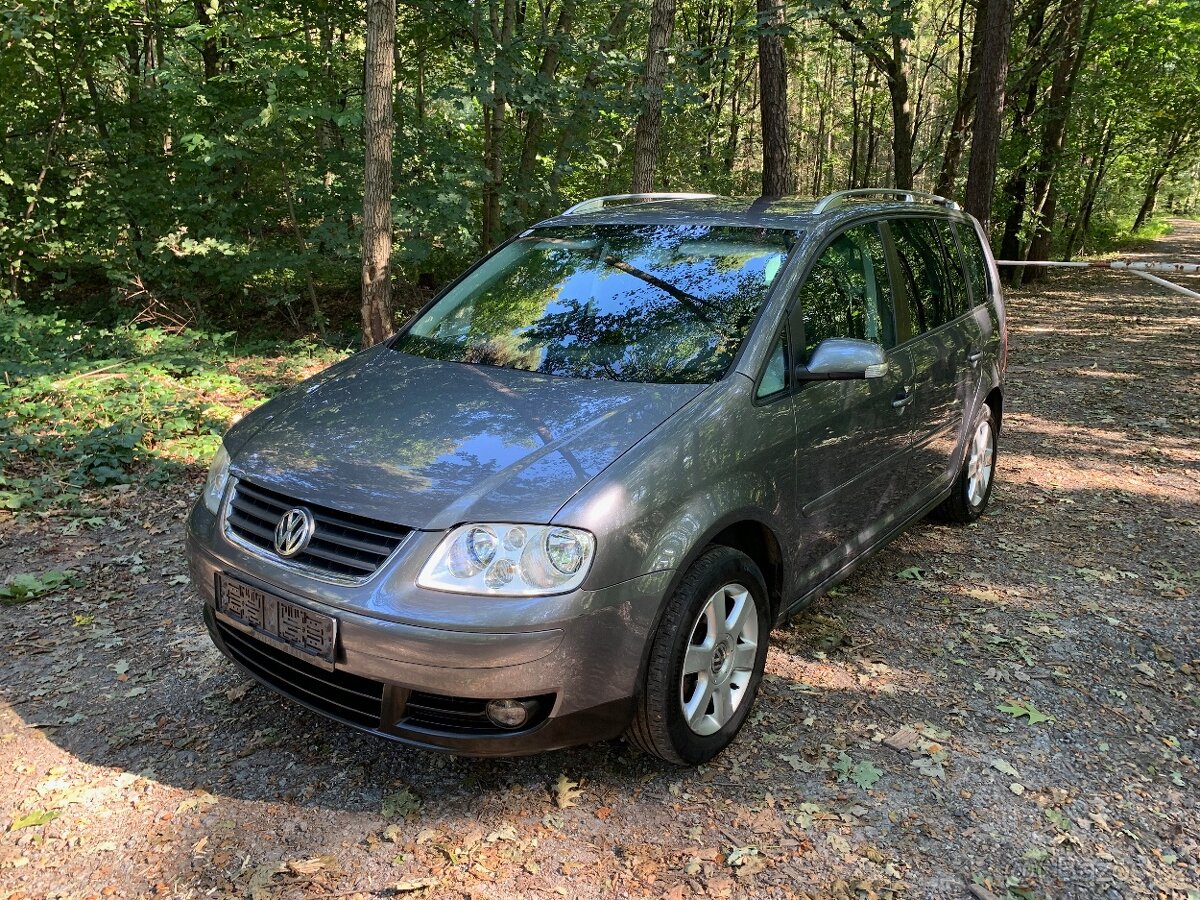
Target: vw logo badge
(294,531)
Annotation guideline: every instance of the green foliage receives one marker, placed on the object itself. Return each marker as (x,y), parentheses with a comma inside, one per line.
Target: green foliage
(203,163)
(21,588)
(864,773)
(84,407)
(1019,708)
(34,819)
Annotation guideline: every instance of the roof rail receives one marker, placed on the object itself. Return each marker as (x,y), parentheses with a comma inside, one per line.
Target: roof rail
(595,204)
(837,198)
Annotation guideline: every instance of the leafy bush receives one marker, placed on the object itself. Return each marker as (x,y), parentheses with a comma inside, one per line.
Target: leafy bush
(85,407)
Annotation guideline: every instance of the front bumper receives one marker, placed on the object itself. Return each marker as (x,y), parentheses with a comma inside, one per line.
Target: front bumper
(579,656)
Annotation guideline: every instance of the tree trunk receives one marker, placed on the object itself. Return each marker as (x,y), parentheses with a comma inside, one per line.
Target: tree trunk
(902,114)
(856,95)
(1058,113)
(968,91)
(872,144)
(1016,186)
(495,113)
(892,62)
(989,107)
(378,128)
(1091,190)
(326,126)
(654,75)
(1151,200)
(819,140)
(493,129)
(209,52)
(772,80)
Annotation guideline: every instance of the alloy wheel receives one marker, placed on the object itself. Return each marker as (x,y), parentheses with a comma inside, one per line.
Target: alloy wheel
(719,661)
(980,462)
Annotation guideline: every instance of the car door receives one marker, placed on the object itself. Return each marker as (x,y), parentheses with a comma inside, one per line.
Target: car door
(931,321)
(852,436)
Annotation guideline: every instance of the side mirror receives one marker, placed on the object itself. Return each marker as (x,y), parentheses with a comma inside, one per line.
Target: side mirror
(844,359)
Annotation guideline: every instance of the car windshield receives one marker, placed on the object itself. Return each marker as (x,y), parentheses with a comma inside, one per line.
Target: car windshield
(648,303)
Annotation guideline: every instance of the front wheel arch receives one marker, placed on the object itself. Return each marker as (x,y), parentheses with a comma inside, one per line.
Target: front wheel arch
(660,723)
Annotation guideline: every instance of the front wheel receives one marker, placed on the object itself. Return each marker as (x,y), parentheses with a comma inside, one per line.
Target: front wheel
(973,487)
(706,661)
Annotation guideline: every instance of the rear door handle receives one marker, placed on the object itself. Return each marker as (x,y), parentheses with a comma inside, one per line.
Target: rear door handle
(903,398)
(974,357)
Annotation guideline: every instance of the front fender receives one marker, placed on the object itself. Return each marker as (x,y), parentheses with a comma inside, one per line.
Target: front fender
(716,463)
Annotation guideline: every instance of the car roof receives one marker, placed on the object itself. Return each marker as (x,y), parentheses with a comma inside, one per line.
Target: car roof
(791,213)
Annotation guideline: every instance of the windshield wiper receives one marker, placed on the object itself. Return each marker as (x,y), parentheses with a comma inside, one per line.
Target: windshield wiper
(691,301)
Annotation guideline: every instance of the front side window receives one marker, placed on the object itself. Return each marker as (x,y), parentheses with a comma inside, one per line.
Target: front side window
(847,293)
(648,303)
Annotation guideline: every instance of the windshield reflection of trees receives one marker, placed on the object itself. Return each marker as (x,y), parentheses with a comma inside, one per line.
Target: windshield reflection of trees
(645,304)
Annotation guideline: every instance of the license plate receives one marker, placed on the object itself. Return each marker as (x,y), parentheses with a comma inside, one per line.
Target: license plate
(309,635)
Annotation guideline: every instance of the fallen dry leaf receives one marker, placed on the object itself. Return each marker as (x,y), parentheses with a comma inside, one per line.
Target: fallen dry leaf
(566,792)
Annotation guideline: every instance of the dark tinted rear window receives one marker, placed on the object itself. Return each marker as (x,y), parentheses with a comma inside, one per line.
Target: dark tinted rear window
(956,278)
(932,289)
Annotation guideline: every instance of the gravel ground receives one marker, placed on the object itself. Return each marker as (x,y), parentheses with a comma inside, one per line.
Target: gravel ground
(1005,710)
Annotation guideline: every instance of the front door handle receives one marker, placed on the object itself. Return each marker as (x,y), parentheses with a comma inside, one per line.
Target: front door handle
(903,398)
(974,357)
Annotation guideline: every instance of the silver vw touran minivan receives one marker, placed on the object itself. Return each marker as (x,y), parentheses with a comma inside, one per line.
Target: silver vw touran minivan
(572,497)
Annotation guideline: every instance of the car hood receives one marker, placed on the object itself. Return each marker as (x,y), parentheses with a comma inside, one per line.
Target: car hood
(431,444)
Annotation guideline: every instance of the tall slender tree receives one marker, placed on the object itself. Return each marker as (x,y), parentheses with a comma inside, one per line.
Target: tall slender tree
(378,129)
(996,20)
(772,79)
(502,28)
(1075,33)
(882,33)
(654,75)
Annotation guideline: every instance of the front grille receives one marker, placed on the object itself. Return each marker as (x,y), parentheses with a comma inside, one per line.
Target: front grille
(344,545)
(462,715)
(342,695)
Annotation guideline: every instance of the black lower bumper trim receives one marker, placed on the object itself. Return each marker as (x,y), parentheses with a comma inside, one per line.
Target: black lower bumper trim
(596,723)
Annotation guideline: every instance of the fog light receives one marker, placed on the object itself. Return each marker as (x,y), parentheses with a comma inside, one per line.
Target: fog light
(507,713)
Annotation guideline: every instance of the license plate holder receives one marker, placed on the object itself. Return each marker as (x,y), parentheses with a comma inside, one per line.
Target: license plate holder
(287,626)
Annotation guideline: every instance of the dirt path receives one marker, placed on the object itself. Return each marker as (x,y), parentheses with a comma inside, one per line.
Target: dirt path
(1039,673)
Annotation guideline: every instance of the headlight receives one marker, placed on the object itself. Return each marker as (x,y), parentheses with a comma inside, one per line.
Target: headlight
(510,560)
(218,477)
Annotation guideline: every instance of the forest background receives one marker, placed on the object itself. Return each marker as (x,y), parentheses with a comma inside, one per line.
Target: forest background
(202,162)
(185,185)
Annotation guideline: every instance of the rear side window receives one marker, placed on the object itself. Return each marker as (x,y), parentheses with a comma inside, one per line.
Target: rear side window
(956,279)
(847,293)
(977,273)
(931,283)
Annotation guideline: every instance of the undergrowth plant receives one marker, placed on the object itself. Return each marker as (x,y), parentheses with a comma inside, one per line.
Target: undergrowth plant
(87,407)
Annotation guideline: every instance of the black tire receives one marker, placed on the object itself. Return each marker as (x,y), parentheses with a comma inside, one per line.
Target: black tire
(959,507)
(659,726)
